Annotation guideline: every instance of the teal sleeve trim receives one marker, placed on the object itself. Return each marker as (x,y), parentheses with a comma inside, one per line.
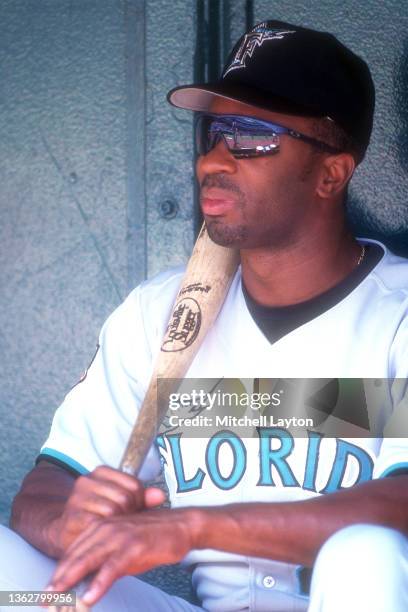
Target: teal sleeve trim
(393,470)
(74,465)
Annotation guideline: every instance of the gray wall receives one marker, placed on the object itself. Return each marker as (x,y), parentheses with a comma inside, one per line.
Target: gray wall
(96,171)
(87,143)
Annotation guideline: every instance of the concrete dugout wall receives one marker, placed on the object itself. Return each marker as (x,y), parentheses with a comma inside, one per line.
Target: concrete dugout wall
(96,169)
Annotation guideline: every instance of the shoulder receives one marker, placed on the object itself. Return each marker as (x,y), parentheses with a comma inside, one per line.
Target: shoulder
(146,310)
(161,287)
(389,300)
(151,293)
(391,274)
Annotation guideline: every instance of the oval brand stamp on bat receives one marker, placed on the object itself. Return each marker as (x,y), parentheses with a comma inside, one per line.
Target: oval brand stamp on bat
(184,325)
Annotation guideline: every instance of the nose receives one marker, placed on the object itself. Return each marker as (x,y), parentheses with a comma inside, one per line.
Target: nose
(218,160)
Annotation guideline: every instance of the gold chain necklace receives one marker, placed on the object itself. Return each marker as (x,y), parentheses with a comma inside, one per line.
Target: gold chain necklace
(362,254)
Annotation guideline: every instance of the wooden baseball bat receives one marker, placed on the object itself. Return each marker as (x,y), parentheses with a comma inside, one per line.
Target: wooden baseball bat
(207,279)
(204,287)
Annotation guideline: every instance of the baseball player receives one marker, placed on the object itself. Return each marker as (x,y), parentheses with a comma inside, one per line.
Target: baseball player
(272,522)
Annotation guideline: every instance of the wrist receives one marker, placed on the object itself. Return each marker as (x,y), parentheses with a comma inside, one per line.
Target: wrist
(201,526)
(196,521)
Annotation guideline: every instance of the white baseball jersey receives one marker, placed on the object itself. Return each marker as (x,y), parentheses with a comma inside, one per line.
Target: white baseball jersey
(364,335)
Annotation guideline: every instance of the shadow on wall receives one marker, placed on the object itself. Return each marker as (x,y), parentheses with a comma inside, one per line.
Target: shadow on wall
(401,107)
(360,218)
(363,223)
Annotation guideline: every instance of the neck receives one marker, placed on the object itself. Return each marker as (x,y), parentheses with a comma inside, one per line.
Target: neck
(300,271)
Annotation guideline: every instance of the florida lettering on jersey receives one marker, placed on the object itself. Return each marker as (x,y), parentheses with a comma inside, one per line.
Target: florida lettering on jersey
(345,461)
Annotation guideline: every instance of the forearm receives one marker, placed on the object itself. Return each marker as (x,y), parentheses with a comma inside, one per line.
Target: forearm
(291,532)
(38,506)
(294,532)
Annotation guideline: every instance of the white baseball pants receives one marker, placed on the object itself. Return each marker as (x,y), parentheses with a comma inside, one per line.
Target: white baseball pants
(362,568)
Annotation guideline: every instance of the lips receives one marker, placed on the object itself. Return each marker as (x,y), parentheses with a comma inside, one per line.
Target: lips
(215,203)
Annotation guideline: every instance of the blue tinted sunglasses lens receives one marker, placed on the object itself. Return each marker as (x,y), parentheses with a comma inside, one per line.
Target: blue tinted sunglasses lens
(243,138)
(206,138)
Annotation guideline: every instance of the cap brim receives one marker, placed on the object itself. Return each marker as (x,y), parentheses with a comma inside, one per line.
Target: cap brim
(200,97)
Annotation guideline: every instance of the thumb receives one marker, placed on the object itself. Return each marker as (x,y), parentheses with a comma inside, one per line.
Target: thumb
(153,496)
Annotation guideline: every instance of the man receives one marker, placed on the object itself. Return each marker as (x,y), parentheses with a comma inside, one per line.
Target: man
(281,134)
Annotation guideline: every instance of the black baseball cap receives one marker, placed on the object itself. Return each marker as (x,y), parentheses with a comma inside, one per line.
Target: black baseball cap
(285,68)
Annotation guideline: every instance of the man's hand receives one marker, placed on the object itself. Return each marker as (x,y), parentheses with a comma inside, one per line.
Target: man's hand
(103,493)
(53,507)
(123,545)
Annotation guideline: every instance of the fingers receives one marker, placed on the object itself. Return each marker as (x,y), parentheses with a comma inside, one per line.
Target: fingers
(107,491)
(153,496)
(103,472)
(103,580)
(111,569)
(123,545)
(99,547)
(102,494)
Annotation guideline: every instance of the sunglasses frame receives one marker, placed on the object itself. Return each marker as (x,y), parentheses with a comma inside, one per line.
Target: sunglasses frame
(265,127)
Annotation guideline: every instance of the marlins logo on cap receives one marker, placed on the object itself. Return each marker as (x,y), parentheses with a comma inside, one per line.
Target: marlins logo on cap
(255,38)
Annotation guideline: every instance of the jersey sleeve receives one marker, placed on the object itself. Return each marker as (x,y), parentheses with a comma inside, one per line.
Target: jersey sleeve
(393,456)
(94,422)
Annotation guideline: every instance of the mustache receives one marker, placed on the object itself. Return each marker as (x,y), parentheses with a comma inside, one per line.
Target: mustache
(221,181)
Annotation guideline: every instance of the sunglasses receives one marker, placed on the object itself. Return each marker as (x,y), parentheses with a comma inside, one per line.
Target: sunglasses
(246,136)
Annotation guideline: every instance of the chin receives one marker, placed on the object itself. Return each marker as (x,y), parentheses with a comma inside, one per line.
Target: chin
(226,235)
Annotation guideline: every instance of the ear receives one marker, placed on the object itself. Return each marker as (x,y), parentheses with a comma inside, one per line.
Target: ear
(335,173)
